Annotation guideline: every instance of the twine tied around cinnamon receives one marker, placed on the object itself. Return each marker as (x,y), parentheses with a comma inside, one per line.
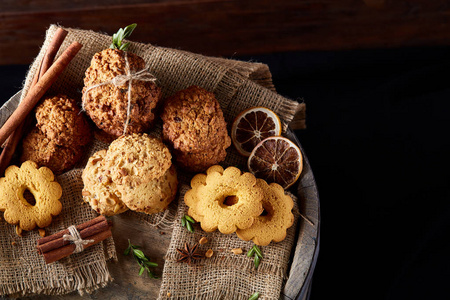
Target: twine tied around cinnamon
(76,239)
(120,80)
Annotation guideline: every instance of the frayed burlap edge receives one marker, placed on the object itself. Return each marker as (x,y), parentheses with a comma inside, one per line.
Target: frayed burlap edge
(95,274)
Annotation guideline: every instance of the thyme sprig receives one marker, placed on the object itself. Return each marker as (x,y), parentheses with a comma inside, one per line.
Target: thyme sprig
(254,296)
(120,35)
(141,258)
(257,254)
(187,221)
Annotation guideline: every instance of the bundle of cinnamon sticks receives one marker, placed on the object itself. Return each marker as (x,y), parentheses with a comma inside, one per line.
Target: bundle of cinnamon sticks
(56,247)
(12,130)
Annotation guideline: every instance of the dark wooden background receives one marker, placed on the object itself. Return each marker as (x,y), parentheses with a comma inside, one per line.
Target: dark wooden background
(227,27)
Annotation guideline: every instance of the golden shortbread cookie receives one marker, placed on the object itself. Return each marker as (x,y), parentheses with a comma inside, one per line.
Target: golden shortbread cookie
(276,218)
(99,190)
(41,184)
(224,199)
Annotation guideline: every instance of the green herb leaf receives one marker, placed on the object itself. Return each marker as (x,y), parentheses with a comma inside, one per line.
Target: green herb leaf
(141,270)
(258,251)
(124,47)
(187,221)
(254,296)
(251,252)
(188,218)
(141,259)
(129,30)
(151,264)
(189,227)
(256,261)
(139,253)
(120,35)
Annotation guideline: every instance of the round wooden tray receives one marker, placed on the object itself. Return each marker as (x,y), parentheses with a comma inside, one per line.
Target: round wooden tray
(128,284)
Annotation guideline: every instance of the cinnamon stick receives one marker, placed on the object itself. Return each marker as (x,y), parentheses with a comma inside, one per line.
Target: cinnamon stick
(65,251)
(50,54)
(13,140)
(86,230)
(39,89)
(10,148)
(54,247)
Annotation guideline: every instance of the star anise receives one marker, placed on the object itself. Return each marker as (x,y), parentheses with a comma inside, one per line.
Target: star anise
(189,254)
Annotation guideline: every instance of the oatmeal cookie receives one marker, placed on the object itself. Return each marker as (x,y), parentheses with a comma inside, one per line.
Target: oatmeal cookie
(61,121)
(193,121)
(107,104)
(199,162)
(133,159)
(99,190)
(45,152)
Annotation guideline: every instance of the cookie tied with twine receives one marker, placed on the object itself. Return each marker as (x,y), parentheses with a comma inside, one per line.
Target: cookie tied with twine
(120,93)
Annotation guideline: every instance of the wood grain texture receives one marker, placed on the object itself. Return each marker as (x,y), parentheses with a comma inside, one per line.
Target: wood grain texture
(228,27)
(305,249)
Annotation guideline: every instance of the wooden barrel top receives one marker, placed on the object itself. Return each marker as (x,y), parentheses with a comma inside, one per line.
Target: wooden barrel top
(128,284)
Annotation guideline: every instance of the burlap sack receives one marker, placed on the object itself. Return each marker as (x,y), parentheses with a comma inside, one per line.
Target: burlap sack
(23,271)
(237,85)
(225,275)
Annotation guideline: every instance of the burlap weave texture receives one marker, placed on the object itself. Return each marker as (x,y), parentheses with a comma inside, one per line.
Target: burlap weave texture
(237,85)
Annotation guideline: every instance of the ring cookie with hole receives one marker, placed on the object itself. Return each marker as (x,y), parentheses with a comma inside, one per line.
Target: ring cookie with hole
(277,217)
(224,199)
(40,182)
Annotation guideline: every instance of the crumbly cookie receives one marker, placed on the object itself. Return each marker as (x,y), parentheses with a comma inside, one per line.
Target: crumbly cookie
(40,182)
(133,159)
(107,104)
(278,217)
(193,121)
(199,162)
(152,196)
(45,152)
(60,119)
(99,190)
(224,199)
(103,137)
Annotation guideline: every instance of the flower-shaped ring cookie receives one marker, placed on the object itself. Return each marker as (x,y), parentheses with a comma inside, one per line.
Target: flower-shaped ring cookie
(278,217)
(40,182)
(224,199)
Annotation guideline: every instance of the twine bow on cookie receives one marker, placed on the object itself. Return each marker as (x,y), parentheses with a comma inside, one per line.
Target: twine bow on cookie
(120,80)
(76,239)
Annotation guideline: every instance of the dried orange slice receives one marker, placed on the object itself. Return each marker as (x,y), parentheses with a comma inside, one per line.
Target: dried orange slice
(276,159)
(252,126)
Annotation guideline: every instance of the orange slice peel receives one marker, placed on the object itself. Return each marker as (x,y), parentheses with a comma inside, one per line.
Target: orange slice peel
(252,126)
